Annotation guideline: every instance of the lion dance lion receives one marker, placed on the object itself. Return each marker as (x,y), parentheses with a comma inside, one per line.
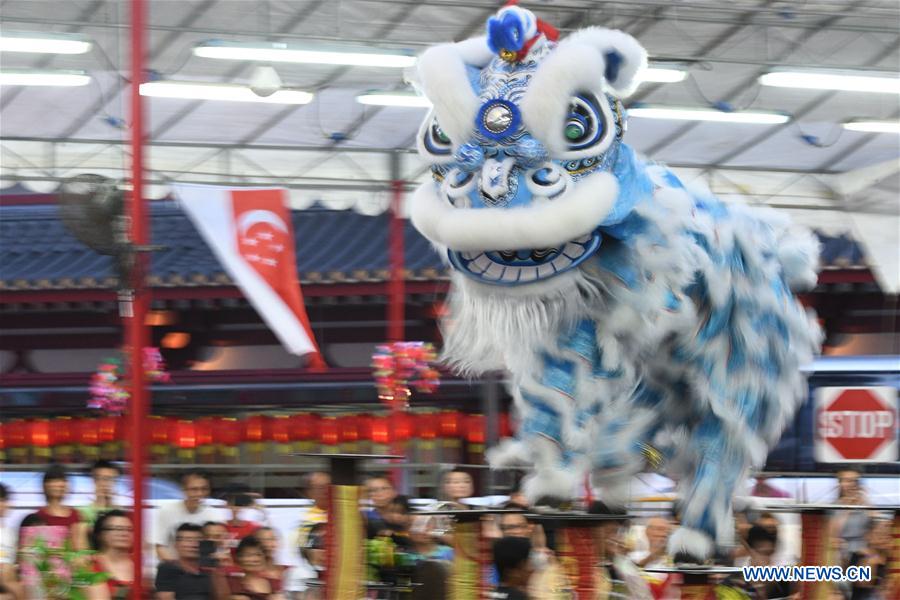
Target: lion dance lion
(642,322)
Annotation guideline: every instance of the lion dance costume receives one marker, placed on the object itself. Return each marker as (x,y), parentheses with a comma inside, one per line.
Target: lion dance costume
(640,320)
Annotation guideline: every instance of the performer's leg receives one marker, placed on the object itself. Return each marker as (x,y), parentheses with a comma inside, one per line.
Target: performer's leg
(706,493)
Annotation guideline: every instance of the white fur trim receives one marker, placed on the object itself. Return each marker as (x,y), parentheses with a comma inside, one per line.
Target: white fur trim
(550,478)
(568,70)
(475,51)
(634,57)
(544,225)
(691,541)
(508,453)
(442,77)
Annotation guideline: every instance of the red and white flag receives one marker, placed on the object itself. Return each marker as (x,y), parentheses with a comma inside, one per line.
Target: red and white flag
(249,230)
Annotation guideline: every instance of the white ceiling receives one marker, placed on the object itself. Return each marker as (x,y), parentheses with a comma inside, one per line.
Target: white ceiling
(48,133)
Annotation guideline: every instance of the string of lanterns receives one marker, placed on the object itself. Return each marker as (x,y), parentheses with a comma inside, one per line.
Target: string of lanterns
(92,436)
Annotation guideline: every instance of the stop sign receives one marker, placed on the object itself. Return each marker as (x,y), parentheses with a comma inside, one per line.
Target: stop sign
(856,424)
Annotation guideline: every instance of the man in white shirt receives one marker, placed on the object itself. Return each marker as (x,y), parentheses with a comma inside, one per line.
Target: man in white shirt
(192,509)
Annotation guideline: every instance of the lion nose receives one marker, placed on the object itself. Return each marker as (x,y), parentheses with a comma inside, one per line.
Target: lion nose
(495,177)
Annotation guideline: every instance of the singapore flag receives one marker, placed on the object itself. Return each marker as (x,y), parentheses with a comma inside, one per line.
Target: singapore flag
(250,232)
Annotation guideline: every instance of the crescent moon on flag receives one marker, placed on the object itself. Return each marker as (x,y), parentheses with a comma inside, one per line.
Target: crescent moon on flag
(251,218)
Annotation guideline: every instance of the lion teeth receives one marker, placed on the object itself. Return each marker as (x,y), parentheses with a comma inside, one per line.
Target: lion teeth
(481,263)
(573,251)
(494,271)
(545,270)
(529,274)
(561,262)
(511,274)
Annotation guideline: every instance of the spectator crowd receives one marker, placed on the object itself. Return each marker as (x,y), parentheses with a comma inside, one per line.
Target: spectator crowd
(203,552)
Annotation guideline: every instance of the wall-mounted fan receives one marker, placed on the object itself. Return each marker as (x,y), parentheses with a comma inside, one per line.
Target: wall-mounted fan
(93,208)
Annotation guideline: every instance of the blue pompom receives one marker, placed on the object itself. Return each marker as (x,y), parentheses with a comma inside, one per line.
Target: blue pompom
(506,32)
(614,62)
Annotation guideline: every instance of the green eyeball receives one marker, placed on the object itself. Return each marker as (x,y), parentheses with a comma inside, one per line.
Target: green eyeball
(574,130)
(440,135)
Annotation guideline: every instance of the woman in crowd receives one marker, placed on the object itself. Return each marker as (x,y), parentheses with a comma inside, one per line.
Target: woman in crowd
(252,582)
(457,486)
(268,537)
(113,539)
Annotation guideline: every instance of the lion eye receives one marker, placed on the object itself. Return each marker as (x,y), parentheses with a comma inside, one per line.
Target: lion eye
(584,125)
(435,140)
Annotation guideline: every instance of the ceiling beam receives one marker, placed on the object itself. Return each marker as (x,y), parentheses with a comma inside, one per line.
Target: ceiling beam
(45,61)
(804,110)
(747,83)
(299,17)
(636,11)
(80,121)
(399,19)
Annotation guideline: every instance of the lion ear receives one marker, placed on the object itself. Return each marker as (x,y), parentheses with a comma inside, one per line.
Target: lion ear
(623,57)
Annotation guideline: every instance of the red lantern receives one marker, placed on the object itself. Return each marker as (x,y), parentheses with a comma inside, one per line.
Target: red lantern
(61,431)
(183,435)
(281,429)
(450,424)
(426,426)
(159,431)
(16,430)
(88,434)
(329,432)
(228,432)
(403,426)
(39,433)
(348,429)
(475,429)
(506,429)
(204,428)
(109,429)
(381,430)
(304,427)
(227,435)
(257,429)
(304,431)
(364,427)
(2,436)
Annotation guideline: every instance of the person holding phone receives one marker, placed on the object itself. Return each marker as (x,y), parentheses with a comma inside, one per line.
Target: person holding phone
(193,509)
(193,575)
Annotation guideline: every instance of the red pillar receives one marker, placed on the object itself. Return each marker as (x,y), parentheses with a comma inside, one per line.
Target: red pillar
(396,303)
(396,250)
(136,329)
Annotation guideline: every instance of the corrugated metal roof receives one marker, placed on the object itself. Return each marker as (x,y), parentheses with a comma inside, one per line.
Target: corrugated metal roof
(38,252)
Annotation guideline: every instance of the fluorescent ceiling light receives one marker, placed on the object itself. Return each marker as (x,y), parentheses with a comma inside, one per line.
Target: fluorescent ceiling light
(833,80)
(708,114)
(323,55)
(220,91)
(406,99)
(44,43)
(873,126)
(662,75)
(44,78)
